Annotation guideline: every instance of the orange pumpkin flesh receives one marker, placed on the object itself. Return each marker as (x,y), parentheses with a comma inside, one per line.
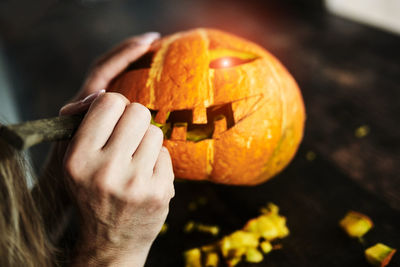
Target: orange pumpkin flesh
(230,111)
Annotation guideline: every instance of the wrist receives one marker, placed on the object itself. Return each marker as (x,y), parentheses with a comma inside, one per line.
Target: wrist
(106,256)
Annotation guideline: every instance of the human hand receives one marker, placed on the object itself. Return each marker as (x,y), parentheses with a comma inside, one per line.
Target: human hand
(112,63)
(50,195)
(122,181)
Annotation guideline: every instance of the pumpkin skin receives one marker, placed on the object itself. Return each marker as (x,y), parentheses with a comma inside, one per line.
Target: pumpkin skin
(232,91)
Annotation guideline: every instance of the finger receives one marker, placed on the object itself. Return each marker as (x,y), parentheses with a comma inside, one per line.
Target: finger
(115,61)
(99,121)
(163,171)
(164,163)
(148,151)
(80,106)
(129,131)
(141,40)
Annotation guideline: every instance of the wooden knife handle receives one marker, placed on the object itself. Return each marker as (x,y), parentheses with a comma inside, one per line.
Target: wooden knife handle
(27,134)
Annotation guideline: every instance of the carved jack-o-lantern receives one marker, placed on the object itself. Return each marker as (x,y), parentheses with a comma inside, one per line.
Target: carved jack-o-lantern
(231,113)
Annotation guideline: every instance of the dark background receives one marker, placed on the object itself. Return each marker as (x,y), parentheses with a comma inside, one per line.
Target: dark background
(349,75)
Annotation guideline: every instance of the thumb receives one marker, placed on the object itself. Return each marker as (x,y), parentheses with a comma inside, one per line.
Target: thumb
(116,60)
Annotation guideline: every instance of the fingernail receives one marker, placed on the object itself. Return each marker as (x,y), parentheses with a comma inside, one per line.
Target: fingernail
(67,107)
(92,96)
(148,38)
(81,105)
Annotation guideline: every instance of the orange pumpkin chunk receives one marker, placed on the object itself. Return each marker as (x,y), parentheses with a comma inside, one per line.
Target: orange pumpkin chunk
(379,255)
(356,224)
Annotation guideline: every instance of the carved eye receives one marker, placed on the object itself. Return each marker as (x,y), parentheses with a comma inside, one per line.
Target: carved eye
(144,62)
(225,58)
(227,62)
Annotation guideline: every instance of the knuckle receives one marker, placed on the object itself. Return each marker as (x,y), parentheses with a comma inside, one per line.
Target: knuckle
(135,196)
(167,174)
(154,199)
(172,176)
(155,133)
(110,168)
(140,174)
(69,167)
(102,186)
(171,193)
(165,150)
(167,170)
(110,100)
(157,200)
(104,178)
(166,158)
(141,112)
(74,166)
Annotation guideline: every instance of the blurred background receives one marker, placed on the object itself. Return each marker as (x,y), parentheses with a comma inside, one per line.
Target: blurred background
(345,58)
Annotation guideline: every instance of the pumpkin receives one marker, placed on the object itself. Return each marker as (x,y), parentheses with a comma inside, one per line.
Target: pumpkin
(230,112)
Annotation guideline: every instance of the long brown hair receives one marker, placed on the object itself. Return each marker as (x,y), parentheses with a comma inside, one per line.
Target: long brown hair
(23,240)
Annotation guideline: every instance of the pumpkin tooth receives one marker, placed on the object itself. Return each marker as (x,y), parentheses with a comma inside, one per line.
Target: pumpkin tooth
(199,115)
(220,125)
(161,116)
(179,131)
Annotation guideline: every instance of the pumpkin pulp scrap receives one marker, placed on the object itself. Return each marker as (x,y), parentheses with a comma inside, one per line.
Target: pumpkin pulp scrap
(379,255)
(356,224)
(248,243)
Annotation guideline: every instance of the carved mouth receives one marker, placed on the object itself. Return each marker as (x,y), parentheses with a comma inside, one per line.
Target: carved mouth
(203,123)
